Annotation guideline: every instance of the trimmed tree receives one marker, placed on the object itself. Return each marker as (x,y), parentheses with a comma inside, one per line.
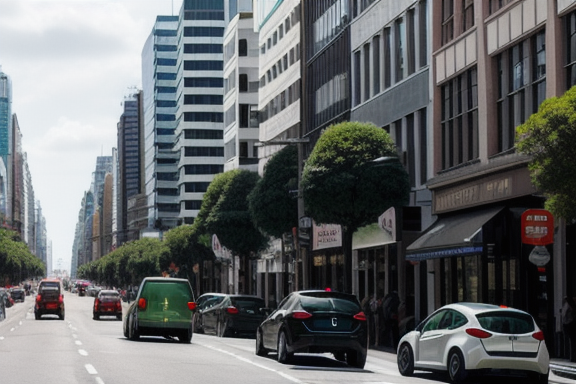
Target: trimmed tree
(342,184)
(549,137)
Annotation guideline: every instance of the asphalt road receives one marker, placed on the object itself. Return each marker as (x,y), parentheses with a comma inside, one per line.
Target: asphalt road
(79,349)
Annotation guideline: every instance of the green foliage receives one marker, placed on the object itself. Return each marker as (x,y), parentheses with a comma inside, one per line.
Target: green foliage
(17,263)
(341,184)
(230,218)
(549,137)
(186,249)
(273,193)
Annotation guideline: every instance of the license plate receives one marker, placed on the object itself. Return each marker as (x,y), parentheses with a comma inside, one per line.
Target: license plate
(51,306)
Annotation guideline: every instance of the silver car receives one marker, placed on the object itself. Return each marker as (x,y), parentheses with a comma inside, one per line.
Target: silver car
(472,338)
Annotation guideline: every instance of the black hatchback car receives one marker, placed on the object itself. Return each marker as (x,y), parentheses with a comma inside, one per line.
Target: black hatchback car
(229,315)
(316,322)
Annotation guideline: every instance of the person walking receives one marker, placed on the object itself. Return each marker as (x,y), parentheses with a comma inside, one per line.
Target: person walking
(569,325)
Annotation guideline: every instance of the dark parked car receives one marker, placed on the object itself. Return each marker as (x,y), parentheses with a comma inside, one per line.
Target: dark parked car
(316,322)
(18,294)
(163,307)
(107,303)
(49,300)
(226,315)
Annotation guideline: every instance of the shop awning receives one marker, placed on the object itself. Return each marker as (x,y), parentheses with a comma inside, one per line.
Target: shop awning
(371,236)
(455,235)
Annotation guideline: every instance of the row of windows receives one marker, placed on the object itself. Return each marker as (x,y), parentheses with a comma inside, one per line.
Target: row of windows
(196,187)
(281,102)
(203,134)
(165,103)
(203,151)
(203,99)
(166,32)
(203,169)
(203,65)
(203,32)
(328,25)
(282,65)
(393,55)
(165,48)
(291,21)
(166,62)
(203,82)
(203,15)
(248,116)
(165,76)
(164,131)
(449,8)
(203,48)
(211,117)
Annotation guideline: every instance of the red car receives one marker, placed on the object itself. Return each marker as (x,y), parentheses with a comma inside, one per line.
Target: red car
(107,303)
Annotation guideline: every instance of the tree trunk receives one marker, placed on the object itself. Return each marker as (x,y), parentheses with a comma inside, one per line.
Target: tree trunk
(347,251)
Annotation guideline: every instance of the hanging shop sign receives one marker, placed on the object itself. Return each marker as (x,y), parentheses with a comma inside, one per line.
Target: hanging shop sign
(537,227)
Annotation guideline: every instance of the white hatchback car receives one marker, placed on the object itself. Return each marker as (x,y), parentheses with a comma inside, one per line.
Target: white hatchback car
(473,338)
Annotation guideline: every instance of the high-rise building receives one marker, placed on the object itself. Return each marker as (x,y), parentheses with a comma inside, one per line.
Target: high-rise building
(200,116)
(6,143)
(159,58)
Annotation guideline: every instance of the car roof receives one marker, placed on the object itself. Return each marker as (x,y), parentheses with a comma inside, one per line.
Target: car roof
(163,279)
(475,308)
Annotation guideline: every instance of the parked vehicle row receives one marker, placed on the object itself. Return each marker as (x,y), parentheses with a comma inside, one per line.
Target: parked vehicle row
(462,339)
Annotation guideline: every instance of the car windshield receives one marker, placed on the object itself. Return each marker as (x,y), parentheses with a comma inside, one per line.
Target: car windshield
(109,295)
(508,322)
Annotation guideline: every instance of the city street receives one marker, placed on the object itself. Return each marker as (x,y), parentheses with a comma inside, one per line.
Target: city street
(82,350)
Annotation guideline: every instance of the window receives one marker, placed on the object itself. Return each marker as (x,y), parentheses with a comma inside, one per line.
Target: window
(570,25)
(203,99)
(203,65)
(495,5)
(203,82)
(387,58)
(242,47)
(460,119)
(400,40)
(203,151)
(468,14)
(376,64)
(212,117)
(243,83)
(447,21)
(203,32)
(521,86)
(203,48)
(366,74)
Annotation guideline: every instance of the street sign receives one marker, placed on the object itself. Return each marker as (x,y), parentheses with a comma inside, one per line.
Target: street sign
(537,227)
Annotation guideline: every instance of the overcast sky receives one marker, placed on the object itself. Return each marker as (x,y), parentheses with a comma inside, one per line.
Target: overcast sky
(71,63)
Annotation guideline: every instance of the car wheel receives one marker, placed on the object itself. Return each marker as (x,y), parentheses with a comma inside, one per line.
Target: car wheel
(119,317)
(61,315)
(456,367)
(405,360)
(283,355)
(185,336)
(260,350)
(540,378)
(132,332)
(356,359)
(125,328)
(96,317)
(340,356)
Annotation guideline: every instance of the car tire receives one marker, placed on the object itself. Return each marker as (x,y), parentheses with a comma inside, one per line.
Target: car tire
(96,317)
(456,366)
(61,315)
(283,355)
(540,378)
(340,356)
(185,336)
(260,350)
(37,316)
(356,359)
(132,332)
(405,360)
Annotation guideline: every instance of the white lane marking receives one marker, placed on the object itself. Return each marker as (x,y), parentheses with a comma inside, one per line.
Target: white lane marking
(91,370)
(74,335)
(286,376)
(20,323)
(1,337)
(78,342)
(83,352)
(99,380)
(12,329)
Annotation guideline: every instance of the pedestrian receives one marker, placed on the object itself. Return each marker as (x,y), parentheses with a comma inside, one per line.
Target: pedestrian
(391,327)
(569,325)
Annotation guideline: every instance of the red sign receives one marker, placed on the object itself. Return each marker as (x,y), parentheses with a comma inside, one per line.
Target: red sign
(537,227)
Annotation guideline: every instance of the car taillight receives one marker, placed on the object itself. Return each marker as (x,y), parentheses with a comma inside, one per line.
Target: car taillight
(61,299)
(191,305)
(232,310)
(96,304)
(538,335)
(301,315)
(118,305)
(360,316)
(142,303)
(479,333)
(38,298)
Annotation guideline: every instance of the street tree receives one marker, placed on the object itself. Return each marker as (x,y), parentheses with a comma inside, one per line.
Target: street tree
(187,248)
(276,192)
(342,183)
(225,213)
(549,137)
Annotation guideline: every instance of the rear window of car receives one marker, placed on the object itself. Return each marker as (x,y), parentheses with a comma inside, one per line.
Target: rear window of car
(507,322)
(152,289)
(248,305)
(109,294)
(321,304)
(49,286)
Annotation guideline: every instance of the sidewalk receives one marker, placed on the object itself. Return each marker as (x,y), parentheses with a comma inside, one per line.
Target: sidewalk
(560,367)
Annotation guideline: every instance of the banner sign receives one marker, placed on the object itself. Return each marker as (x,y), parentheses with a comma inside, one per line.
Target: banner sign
(537,227)
(327,236)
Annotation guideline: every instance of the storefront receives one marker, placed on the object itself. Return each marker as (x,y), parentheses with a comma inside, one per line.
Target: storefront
(474,249)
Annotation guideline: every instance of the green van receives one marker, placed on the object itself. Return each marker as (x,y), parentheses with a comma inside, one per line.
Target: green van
(163,307)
